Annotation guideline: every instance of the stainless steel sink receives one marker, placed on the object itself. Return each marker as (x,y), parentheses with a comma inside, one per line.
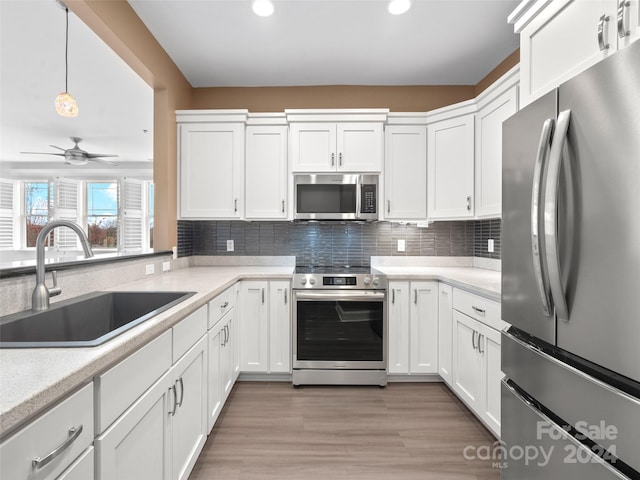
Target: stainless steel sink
(85,321)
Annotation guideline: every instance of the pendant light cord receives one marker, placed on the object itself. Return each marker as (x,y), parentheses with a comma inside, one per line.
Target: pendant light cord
(66,53)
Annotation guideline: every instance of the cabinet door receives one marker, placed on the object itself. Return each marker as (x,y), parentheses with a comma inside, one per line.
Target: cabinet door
(450,150)
(266,172)
(226,357)
(424,327)
(313,147)
(138,444)
(214,387)
(561,42)
(279,327)
(398,361)
(405,170)
(254,326)
(445,332)
(189,422)
(468,368)
(211,170)
(235,333)
(493,376)
(359,147)
(488,161)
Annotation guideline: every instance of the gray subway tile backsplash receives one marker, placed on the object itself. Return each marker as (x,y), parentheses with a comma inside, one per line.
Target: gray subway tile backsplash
(338,243)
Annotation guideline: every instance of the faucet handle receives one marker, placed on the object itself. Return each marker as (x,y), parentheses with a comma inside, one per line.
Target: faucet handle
(55,290)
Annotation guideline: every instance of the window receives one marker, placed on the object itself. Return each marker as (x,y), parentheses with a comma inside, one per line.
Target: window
(102,214)
(38,201)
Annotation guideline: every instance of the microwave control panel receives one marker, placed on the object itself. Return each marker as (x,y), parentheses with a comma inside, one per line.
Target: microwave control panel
(368,198)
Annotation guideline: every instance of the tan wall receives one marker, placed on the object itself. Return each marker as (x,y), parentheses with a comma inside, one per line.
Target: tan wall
(119,27)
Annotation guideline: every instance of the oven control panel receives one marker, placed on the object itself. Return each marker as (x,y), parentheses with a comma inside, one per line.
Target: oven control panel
(359,281)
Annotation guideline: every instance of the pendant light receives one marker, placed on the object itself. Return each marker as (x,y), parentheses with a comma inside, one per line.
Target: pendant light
(66,105)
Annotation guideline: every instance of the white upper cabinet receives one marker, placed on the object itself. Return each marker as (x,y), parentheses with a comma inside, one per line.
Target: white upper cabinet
(562,38)
(450,163)
(266,172)
(336,140)
(211,164)
(495,105)
(405,170)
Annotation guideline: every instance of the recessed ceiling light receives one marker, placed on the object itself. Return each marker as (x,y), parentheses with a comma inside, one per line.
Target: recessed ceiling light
(398,7)
(263,8)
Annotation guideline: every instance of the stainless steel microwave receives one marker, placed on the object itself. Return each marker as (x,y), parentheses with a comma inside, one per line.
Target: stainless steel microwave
(335,197)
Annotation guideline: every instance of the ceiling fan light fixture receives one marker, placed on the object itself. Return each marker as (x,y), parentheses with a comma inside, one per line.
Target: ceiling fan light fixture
(398,7)
(262,8)
(66,105)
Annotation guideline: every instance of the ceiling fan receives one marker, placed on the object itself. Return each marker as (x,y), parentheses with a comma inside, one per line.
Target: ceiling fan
(78,156)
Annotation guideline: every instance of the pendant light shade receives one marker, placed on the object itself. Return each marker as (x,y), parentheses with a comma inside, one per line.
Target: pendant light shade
(66,105)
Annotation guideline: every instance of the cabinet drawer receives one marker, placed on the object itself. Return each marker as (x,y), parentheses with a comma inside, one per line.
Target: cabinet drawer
(480,308)
(188,332)
(46,434)
(117,388)
(220,305)
(82,469)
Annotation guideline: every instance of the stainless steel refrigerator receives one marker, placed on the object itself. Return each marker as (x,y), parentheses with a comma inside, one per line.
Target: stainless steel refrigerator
(571,279)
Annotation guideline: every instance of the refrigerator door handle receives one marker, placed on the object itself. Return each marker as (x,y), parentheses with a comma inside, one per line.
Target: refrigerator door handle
(551,215)
(541,156)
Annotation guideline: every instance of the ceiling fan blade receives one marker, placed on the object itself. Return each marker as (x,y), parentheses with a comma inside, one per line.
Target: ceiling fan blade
(59,148)
(106,162)
(44,153)
(97,155)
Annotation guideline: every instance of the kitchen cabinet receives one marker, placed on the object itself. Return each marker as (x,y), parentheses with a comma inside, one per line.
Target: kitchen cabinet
(494,107)
(476,369)
(560,39)
(405,172)
(413,328)
(211,164)
(450,167)
(63,434)
(330,147)
(161,434)
(265,326)
(266,180)
(445,331)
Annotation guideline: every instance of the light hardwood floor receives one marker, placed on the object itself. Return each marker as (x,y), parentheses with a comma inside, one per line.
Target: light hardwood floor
(403,432)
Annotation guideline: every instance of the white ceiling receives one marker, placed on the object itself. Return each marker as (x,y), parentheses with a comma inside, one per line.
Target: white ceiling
(330,42)
(222,43)
(115,104)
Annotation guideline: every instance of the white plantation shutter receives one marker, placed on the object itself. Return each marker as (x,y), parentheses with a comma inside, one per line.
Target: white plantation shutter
(132,203)
(7,224)
(65,207)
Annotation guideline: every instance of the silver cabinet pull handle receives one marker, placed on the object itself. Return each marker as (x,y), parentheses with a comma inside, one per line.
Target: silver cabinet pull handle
(388,206)
(285,297)
(415,296)
(552,249)
(468,203)
(602,32)
(473,339)
(622,28)
(333,159)
(226,327)
(181,391)
(393,295)
(224,305)
(39,462)
(536,191)
(340,159)
(175,400)
(235,205)
(480,336)
(282,206)
(263,295)
(478,310)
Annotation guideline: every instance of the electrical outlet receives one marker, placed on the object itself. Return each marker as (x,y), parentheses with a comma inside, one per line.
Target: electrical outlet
(174,250)
(166,266)
(149,269)
(490,245)
(230,246)
(401,245)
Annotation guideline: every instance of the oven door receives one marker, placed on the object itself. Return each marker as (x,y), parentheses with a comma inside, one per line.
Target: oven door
(340,329)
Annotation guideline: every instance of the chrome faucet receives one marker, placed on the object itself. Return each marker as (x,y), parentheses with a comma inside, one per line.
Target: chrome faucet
(41,294)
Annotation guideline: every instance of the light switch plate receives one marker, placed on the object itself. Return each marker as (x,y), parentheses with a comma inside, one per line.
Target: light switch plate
(401,245)
(149,269)
(230,246)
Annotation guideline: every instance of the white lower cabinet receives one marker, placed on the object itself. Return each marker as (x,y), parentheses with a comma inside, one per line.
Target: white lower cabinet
(476,357)
(413,328)
(221,376)
(161,434)
(265,317)
(445,331)
(57,438)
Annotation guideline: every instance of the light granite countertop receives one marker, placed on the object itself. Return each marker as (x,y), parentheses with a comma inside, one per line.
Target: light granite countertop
(33,379)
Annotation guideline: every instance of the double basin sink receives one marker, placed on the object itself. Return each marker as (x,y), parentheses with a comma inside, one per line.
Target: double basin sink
(85,321)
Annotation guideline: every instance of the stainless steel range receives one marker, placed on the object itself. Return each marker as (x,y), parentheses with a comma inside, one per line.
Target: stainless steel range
(339,326)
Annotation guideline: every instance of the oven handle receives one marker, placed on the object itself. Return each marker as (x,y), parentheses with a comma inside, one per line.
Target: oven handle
(341,295)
